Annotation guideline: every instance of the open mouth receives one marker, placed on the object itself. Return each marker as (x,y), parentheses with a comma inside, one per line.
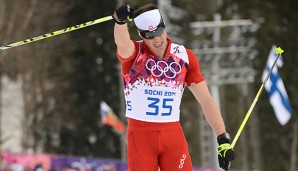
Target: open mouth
(158,45)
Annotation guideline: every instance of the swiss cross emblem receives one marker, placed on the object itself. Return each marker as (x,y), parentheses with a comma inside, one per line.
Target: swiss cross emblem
(150,27)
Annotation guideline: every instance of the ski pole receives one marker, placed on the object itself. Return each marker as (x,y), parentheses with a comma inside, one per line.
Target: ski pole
(278,51)
(55,33)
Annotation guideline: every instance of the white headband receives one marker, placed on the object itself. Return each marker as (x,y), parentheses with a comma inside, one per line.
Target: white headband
(148,20)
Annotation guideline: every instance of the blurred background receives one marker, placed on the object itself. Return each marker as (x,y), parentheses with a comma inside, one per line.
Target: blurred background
(51,90)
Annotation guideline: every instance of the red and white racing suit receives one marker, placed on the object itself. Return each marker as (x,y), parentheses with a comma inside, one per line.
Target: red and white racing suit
(153,90)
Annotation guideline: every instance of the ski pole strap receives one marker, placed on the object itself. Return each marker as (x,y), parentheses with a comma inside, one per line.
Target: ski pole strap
(223,148)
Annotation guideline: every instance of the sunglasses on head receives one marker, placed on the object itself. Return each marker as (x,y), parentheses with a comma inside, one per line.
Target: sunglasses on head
(153,33)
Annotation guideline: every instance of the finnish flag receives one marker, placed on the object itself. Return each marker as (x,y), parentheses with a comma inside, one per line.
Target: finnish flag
(275,87)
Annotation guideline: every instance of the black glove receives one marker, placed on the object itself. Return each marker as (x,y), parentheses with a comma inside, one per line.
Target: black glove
(123,14)
(225,151)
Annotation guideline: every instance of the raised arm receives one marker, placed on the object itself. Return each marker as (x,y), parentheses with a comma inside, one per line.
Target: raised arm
(125,46)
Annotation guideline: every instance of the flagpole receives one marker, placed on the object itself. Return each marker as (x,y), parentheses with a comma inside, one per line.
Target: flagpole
(294,147)
(122,117)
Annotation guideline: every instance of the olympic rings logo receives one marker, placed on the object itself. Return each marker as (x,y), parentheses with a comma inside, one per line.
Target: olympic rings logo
(162,68)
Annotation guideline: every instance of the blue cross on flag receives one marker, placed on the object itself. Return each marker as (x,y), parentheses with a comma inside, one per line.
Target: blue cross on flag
(275,87)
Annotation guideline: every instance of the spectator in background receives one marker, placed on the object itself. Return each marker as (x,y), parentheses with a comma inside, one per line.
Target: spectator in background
(3,164)
(16,166)
(38,167)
